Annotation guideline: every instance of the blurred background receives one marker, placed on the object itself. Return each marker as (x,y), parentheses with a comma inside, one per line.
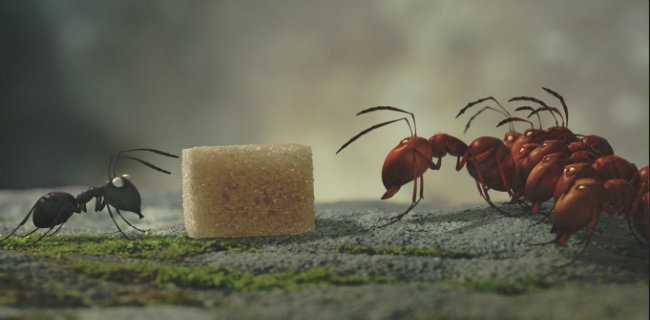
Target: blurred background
(80,80)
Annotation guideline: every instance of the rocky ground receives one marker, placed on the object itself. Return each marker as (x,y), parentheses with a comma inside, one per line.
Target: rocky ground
(494,271)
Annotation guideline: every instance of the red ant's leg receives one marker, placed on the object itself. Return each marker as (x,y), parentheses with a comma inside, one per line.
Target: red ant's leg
(480,189)
(536,206)
(562,238)
(647,225)
(415,181)
(460,163)
(503,177)
(421,187)
(634,233)
(438,164)
(487,195)
(413,201)
(643,199)
(594,221)
(546,215)
(429,163)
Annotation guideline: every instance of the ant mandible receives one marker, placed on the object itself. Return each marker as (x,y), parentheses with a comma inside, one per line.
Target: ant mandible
(55,208)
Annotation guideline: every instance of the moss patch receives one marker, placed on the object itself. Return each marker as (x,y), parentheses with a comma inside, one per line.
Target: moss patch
(14,292)
(42,315)
(402,251)
(157,247)
(152,297)
(512,287)
(214,277)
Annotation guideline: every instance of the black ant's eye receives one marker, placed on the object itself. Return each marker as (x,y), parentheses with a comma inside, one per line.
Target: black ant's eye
(117,182)
(126,177)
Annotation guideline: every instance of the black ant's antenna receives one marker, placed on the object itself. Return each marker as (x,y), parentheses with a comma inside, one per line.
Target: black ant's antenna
(116,157)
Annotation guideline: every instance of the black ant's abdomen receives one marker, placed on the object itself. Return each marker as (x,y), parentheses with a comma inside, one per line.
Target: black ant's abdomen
(53,209)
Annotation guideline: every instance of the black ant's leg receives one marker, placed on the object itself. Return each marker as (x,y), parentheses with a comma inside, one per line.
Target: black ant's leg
(46,233)
(110,212)
(127,221)
(28,233)
(57,229)
(56,219)
(43,235)
(21,224)
(100,203)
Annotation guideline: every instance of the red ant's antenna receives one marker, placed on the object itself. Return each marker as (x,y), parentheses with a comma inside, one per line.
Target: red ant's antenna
(413,132)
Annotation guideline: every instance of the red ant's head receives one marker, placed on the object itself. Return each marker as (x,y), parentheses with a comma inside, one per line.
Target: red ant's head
(532,135)
(510,137)
(560,133)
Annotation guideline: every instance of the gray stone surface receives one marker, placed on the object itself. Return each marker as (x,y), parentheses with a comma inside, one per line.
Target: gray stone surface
(610,280)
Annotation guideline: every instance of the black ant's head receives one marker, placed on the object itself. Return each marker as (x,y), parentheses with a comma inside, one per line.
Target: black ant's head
(121,194)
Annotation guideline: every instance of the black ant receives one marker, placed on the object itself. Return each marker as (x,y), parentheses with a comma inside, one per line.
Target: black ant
(55,208)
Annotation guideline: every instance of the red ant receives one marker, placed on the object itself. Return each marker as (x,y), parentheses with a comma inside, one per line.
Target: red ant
(410,158)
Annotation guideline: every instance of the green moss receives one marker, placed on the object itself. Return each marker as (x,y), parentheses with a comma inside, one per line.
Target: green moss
(214,277)
(151,297)
(512,287)
(42,315)
(16,291)
(402,251)
(43,298)
(165,248)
